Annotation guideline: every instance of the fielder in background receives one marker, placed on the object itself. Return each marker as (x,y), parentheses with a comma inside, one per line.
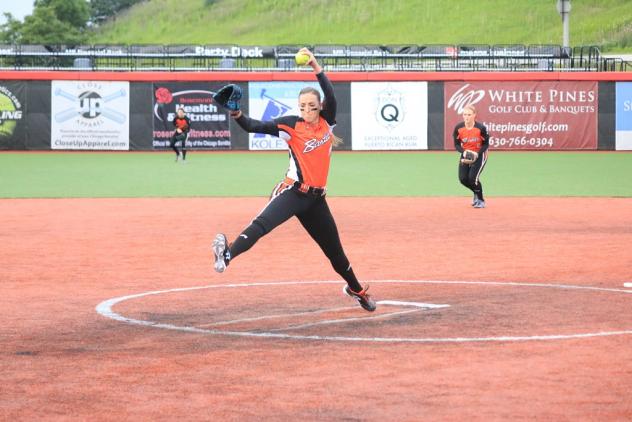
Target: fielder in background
(180,134)
(302,192)
(471,140)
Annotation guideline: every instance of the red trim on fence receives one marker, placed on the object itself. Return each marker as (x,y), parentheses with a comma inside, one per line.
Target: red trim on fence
(308,76)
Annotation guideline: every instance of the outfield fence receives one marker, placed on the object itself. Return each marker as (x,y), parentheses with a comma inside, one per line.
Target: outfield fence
(544,111)
(361,58)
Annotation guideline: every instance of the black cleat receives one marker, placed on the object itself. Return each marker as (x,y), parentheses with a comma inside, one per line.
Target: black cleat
(362,297)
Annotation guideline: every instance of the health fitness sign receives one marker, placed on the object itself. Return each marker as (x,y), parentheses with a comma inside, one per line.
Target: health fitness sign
(527,115)
(209,123)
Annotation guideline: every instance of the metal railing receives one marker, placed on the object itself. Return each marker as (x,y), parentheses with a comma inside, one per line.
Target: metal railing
(405,57)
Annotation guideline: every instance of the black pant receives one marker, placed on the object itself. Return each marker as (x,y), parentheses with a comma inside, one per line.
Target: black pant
(179,137)
(469,175)
(314,215)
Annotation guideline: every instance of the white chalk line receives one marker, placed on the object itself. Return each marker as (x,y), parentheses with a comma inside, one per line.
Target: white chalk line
(105,309)
(341,320)
(326,310)
(414,304)
(287,315)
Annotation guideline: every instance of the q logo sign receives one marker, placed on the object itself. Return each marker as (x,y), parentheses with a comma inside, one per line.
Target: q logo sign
(10,112)
(390,108)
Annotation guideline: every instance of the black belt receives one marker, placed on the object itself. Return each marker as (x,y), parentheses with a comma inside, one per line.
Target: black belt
(306,189)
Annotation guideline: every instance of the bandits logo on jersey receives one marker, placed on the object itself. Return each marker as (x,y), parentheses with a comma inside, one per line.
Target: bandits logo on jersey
(467,140)
(312,144)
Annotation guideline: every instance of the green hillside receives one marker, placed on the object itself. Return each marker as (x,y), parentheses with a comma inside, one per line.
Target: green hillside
(607,23)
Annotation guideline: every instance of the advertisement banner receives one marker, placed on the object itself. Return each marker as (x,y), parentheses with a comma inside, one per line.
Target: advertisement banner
(209,123)
(12,114)
(527,115)
(90,115)
(270,100)
(624,116)
(389,115)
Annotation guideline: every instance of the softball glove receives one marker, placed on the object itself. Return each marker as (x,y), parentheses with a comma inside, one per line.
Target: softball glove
(468,157)
(228,97)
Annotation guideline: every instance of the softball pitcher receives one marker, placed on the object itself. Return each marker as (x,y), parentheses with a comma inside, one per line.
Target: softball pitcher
(302,192)
(471,140)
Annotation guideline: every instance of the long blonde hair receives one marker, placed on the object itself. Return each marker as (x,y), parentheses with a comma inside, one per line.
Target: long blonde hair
(309,90)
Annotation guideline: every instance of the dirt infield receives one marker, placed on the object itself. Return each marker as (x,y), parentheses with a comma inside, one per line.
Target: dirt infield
(538,324)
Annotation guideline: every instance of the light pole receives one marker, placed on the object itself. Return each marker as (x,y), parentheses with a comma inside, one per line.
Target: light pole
(564,9)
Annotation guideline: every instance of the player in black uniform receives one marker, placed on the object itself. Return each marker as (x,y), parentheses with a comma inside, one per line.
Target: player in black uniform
(471,135)
(180,134)
(302,192)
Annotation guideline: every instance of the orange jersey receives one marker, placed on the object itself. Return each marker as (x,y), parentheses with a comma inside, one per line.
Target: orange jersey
(309,145)
(473,139)
(182,123)
(310,151)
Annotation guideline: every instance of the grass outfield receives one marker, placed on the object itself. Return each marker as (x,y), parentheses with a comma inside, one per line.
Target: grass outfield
(149,174)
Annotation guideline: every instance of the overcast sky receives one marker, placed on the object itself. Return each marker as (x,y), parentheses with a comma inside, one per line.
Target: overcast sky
(18,8)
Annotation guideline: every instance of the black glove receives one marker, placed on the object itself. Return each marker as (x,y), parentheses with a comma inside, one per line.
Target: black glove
(228,97)
(468,157)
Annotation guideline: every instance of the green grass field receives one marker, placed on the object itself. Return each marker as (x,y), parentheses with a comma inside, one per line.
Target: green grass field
(147,174)
(606,23)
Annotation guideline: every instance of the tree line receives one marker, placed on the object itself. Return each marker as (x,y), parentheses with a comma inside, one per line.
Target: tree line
(60,21)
